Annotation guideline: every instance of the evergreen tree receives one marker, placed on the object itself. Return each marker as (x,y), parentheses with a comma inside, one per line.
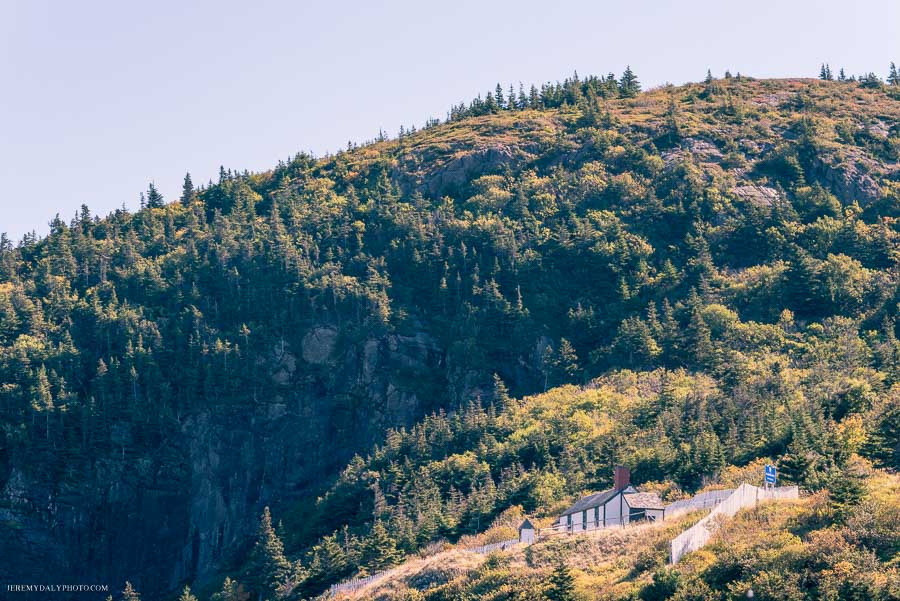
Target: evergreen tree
(154,198)
(672,122)
(42,398)
(379,549)
(704,352)
(634,341)
(561,584)
(893,76)
(500,394)
(883,444)
(797,465)
(664,585)
(187,190)
(845,489)
(129,594)
(629,86)
(186,595)
(566,362)
(230,591)
(534,98)
(268,568)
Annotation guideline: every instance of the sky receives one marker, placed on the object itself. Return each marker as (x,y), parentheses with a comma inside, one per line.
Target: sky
(98,98)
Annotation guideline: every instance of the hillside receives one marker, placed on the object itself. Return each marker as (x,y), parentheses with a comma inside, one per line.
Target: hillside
(783,552)
(718,262)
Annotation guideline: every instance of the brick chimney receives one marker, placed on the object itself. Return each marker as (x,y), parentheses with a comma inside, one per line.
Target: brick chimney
(621,477)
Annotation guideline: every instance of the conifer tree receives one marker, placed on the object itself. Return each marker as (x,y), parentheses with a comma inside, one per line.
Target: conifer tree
(154,198)
(500,394)
(565,362)
(893,76)
(379,549)
(883,444)
(187,190)
(187,595)
(230,591)
(534,98)
(635,341)
(42,398)
(672,124)
(664,585)
(268,568)
(129,594)
(846,489)
(701,340)
(561,584)
(629,86)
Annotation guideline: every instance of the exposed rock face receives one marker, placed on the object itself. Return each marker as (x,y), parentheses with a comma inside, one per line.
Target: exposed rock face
(318,345)
(849,179)
(468,164)
(181,510)
(761,196)
(703,149)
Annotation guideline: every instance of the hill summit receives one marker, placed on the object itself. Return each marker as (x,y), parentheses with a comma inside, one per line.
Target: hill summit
(704,277)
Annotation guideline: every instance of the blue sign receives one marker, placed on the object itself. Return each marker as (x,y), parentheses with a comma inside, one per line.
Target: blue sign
(770,474)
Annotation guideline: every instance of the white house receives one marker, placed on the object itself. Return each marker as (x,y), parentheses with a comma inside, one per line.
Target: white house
(614,507)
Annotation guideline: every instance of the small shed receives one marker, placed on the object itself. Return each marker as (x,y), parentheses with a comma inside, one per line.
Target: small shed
(527,532)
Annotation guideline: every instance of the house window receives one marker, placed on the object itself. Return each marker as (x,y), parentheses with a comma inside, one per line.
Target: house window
(596,517)
(584,520)
(569,521)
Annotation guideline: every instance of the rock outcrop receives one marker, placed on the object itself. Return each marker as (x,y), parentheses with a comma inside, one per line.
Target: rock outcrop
(176,511)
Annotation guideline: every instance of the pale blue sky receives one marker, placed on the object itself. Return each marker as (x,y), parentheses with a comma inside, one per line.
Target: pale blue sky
(99,98)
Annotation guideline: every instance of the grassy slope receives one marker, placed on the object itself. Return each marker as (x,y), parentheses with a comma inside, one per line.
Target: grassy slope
(785,550)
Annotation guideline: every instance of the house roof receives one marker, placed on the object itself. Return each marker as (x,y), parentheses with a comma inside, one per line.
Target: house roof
(644,500)
(526,525)
(594,500)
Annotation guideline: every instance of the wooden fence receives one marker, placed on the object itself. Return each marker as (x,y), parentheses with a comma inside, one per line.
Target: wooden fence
(704,500)
(746,495)
(501,546)
(354,584)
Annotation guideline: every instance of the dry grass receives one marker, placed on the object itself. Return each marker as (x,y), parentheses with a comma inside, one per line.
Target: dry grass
(420,574)
(617,563)
(604,561)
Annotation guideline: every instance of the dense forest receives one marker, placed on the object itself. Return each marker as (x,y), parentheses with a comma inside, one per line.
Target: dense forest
(392,345)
